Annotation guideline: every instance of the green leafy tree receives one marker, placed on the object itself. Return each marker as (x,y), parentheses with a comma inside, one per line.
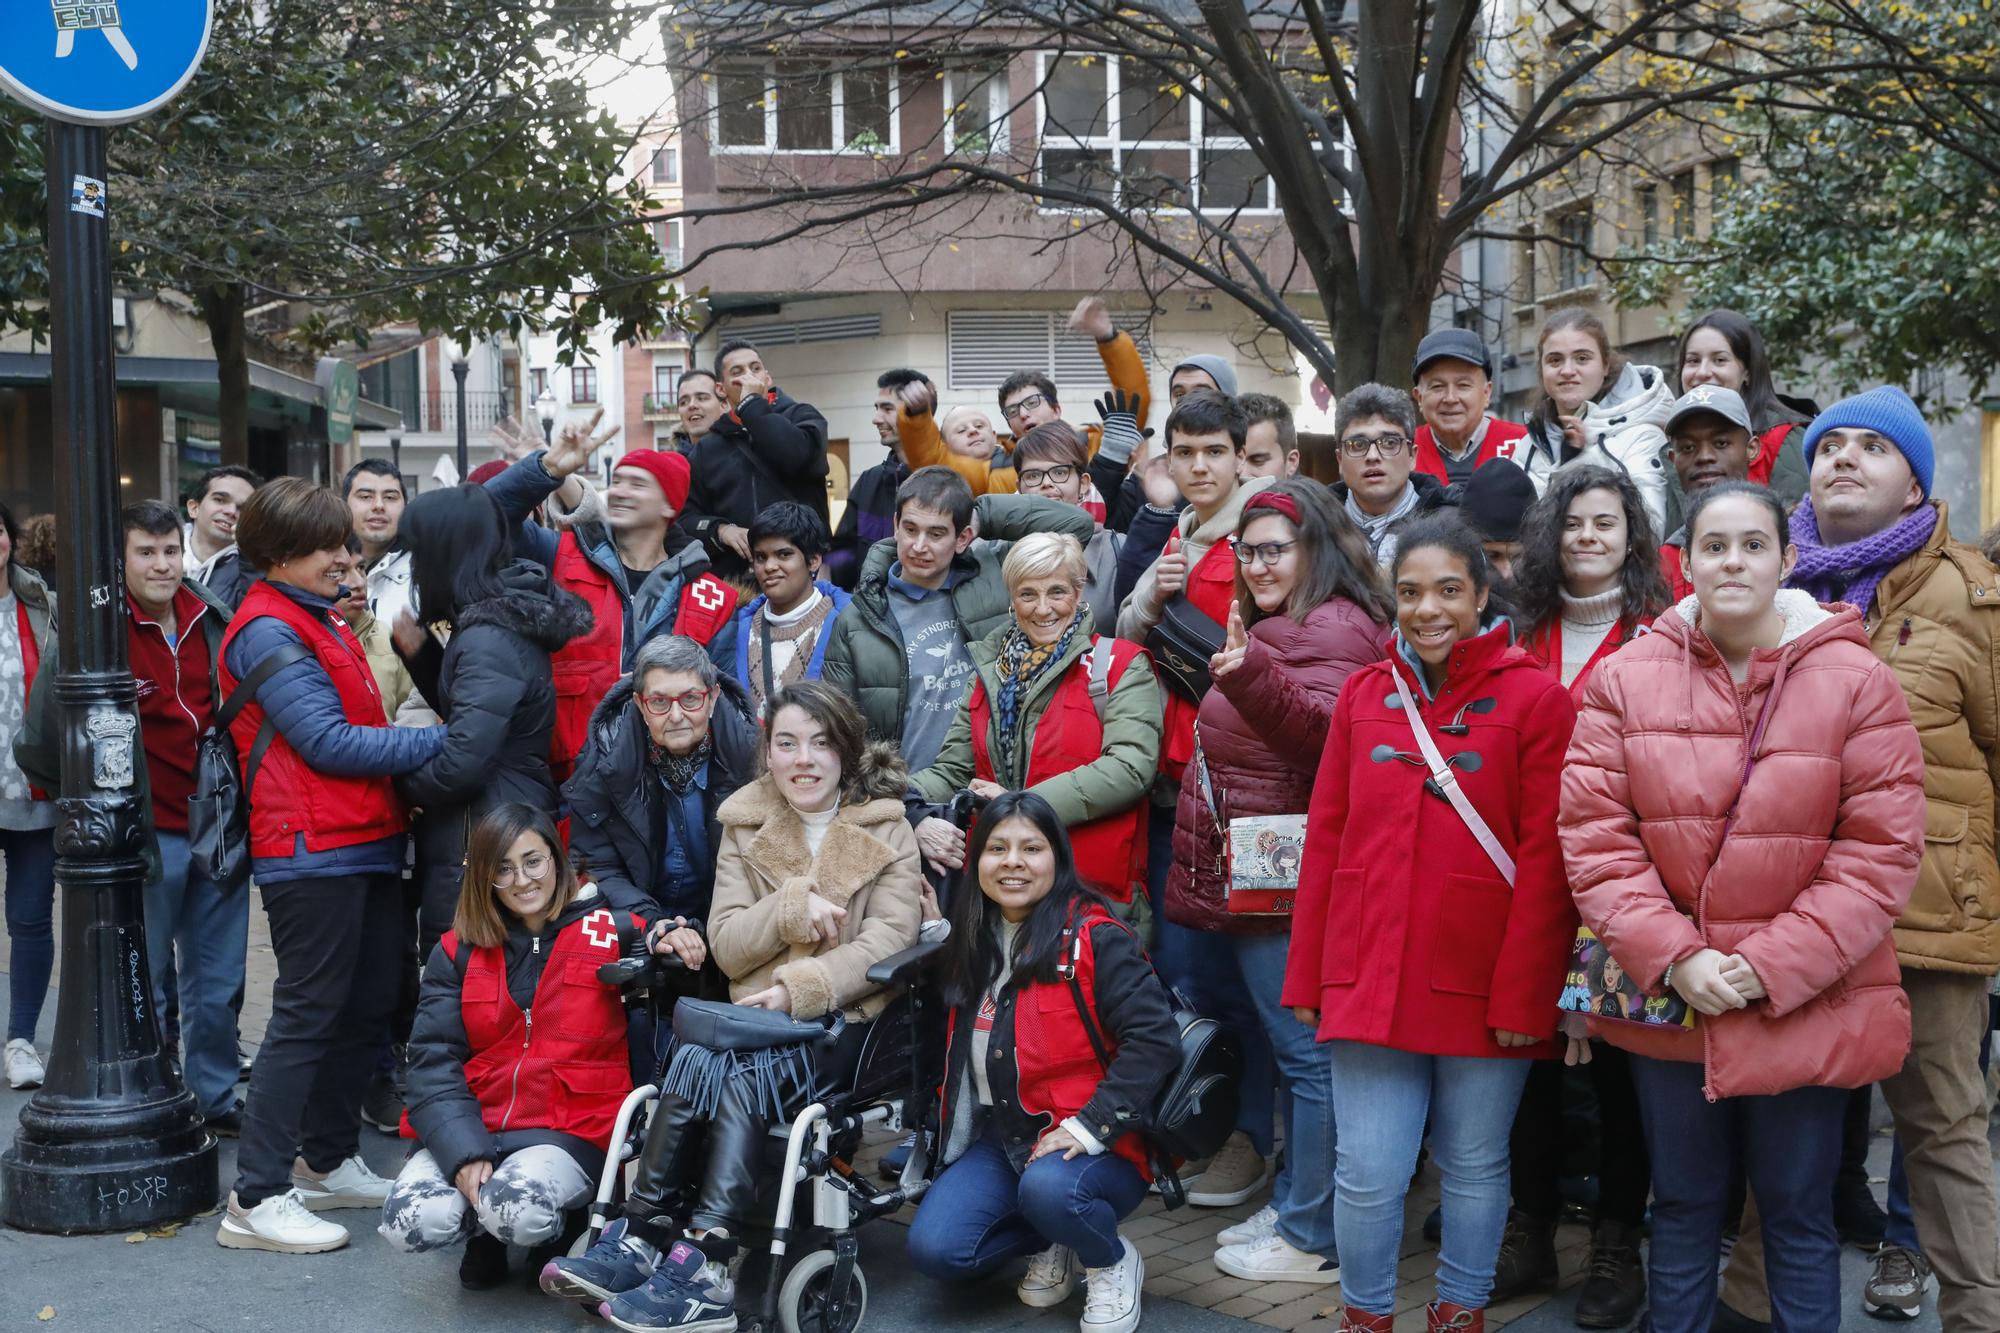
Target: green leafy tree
(1868,246)
(439,163)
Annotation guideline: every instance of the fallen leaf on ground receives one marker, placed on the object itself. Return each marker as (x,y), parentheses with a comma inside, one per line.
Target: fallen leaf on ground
(46,1313)
(136,1238)
(167,1232)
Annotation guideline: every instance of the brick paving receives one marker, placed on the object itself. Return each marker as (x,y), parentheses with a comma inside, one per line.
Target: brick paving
(1179,1246)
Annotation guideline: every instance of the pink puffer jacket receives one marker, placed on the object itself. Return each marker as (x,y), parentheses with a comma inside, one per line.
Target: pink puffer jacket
(1821,860)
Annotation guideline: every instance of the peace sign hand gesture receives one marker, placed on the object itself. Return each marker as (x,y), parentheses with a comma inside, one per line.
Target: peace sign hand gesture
(1234,646)
(575,443)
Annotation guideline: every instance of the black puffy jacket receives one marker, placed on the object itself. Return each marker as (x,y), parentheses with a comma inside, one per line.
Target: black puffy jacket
(615,799)
(493,687)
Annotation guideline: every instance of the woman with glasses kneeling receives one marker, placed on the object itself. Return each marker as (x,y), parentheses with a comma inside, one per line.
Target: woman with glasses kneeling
(517,1057)
(817,880)
(1039,1157)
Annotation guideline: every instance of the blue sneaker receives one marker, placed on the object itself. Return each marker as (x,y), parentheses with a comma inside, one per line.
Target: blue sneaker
(685,1294)
(618,1263)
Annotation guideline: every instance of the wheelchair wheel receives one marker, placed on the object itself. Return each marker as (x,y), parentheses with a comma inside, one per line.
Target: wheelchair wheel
(802,1300)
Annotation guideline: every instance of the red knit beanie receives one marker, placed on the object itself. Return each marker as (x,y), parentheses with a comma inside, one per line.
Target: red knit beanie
(667,467)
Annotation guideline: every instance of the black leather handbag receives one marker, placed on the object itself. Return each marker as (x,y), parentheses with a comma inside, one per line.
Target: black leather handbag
(1181,644)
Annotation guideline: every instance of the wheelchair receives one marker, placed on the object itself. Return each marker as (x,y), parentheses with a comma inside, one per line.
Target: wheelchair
(811,1279)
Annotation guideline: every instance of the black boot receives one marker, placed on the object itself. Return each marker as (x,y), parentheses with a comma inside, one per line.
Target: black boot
(1729,1321)
(1527,1257)
(484,1266)
(1614,1282)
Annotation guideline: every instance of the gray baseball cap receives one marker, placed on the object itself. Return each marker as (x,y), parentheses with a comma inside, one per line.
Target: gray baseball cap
(1458,344)
(1713,399)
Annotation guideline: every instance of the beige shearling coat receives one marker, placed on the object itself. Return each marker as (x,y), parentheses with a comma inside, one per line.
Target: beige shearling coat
(757,924)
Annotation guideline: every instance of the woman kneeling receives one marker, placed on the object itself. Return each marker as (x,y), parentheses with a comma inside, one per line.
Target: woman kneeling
(513,1118)
(1038,1155)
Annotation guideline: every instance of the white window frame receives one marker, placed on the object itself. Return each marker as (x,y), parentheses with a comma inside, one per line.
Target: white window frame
(999,101)
(1118,147)
(770,144)
(663,229)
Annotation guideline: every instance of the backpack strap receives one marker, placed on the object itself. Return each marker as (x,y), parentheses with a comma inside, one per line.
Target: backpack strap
(461,959)
(240,697)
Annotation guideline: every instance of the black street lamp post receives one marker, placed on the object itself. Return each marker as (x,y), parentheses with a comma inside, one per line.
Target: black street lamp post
(458,372)
(112,1141)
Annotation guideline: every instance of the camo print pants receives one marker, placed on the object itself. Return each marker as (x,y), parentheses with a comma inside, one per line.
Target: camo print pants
(522,1204)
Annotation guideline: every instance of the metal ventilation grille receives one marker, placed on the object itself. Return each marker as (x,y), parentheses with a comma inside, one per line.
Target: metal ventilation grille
(984,347)
(781,333)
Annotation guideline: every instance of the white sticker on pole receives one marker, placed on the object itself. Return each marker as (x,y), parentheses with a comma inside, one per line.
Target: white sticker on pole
(86,196)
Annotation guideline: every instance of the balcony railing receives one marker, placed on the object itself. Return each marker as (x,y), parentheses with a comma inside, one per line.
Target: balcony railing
(438,412)
(659,407)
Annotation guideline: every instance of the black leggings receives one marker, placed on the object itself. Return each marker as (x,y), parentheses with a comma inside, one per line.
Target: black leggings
(719,1154)
(1625,1172)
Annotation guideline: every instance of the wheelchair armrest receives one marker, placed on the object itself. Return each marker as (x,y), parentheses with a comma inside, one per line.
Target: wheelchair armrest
(901,969)
(638,974)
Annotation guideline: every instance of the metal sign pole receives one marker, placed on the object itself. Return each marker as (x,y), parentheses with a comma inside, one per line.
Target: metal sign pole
(112,1141)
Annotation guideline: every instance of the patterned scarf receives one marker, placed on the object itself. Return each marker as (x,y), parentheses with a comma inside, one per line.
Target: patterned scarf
(1376,526)
(678,770)
(1849,572)
(1020,664)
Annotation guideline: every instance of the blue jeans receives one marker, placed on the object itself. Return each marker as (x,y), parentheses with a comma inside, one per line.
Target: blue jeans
(1381,1099)
(1788,1145)
(31,906)
(197,936)
(1303,1193)
(980,1214)
(1202,966)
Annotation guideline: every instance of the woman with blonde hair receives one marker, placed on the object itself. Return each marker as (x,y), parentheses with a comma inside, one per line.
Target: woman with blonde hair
(512,1115)
(1060,710)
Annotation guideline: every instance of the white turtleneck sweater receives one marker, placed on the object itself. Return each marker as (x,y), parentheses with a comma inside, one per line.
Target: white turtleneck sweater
(817,822)
(1587,622)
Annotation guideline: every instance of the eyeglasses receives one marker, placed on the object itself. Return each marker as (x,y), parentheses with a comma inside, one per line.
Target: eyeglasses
(1357,446)
(1023,406)
(694,703)
(1056,476)
(1268,552)
(533,866)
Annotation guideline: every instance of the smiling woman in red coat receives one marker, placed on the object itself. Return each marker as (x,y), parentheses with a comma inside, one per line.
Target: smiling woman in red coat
(1433,980)
(1743,815)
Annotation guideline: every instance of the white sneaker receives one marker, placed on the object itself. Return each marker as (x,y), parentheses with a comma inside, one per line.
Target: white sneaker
(1235,1173)
(1111,1295)
(281,1223)
(1272,1258)
(1262,1223)
(1051,1278)
(24,1068)
(349,1185)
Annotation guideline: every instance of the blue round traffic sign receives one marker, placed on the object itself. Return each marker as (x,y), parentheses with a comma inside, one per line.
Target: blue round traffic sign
(101,62)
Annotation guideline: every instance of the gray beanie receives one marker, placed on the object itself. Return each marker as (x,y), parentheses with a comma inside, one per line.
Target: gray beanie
(1212,366)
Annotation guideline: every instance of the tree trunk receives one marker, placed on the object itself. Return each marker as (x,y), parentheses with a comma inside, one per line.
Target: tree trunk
(222,309)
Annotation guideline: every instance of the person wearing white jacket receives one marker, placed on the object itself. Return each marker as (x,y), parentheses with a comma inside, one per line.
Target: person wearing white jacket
(1597,408)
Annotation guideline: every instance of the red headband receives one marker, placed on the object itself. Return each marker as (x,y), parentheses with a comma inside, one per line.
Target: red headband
(1277,500)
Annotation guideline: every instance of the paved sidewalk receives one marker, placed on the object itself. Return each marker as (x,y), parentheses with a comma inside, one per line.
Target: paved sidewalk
(186,1282)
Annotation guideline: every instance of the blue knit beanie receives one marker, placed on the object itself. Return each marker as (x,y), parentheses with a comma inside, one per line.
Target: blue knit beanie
(1888,412)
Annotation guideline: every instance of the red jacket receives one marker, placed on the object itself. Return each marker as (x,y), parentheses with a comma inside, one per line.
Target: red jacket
(561,1064)
(1263,730)
(1503,440)
(1211,587)
(1111,851)
(1821,860)
(1768,446)
(176,701)
(586,668)
(1673,564)
(1405,934)
(1545,645)
(289,799)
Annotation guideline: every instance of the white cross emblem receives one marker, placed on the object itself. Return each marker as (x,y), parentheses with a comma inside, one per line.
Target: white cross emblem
(601,920)
(708,595)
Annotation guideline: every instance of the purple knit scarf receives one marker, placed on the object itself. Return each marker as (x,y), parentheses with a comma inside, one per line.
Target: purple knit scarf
(1849,573)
